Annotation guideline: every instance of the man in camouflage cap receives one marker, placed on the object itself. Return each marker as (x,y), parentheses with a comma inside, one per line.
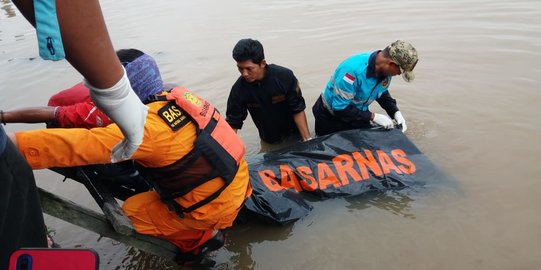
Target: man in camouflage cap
(357,82)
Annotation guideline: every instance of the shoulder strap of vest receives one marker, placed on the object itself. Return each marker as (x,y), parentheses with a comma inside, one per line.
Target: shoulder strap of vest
(207,199)
(154,98)
(197,107)
(159,96)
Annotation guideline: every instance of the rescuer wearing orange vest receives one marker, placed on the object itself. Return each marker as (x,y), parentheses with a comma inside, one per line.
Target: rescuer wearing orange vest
(190,155)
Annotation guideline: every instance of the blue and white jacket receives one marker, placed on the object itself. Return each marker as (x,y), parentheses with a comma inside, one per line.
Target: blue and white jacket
(354,86)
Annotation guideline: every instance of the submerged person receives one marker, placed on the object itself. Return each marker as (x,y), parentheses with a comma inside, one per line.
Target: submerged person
(73,107)
(190,155)
(76,30)
(270,93)
(357,82)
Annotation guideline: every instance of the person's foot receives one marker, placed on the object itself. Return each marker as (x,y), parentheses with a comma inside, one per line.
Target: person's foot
(198,256)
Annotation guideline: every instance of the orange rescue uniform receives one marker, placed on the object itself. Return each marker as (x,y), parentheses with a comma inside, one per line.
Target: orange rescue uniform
(161,146)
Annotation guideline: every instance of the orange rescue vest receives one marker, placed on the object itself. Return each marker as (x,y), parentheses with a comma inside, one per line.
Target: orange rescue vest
(217,150)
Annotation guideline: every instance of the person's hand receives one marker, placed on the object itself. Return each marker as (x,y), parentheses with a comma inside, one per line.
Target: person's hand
(400,120)
(383,120)
(132,125)
(123,106)
(123,150)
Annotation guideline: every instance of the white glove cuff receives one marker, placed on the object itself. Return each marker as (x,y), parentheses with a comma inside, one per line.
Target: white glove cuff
(112,96)
(398,115)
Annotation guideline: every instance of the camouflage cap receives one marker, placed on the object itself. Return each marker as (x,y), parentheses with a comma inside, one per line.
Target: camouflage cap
(405,55)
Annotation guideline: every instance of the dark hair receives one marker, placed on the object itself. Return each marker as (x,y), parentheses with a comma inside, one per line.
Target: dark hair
(248,49)
(128,55)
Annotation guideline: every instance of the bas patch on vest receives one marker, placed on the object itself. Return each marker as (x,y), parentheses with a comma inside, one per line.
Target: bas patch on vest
(173,116)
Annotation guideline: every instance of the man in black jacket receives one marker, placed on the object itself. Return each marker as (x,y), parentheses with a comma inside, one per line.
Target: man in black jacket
(270,93)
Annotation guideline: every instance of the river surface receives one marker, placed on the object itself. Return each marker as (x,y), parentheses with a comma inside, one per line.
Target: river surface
(474,110)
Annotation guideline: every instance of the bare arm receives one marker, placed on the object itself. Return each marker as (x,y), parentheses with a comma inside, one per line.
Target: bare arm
(302,125)
(29,115)
(90,51)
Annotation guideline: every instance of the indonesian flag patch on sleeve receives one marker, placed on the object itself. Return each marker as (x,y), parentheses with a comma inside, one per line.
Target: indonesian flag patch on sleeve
(349,78)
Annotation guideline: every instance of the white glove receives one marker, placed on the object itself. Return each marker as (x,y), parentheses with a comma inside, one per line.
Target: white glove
(400,120)
(383,120)
(123,106)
